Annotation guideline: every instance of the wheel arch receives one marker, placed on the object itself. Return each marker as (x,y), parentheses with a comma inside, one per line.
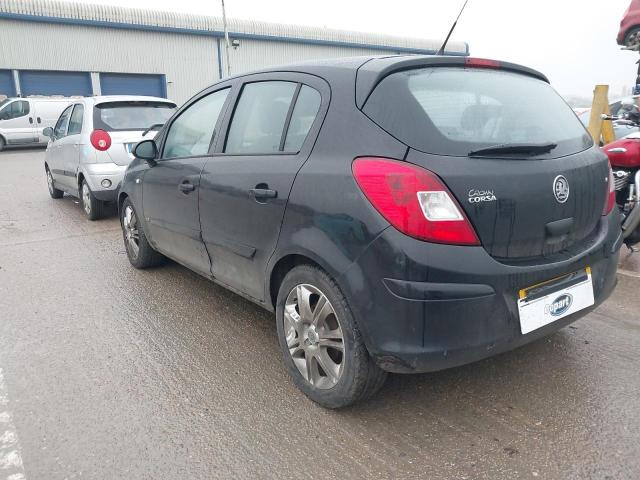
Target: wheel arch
(632,29)
(284,264)
(122,196)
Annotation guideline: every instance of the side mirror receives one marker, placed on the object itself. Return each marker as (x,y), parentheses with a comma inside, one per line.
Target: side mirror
(48,132)
(146,150)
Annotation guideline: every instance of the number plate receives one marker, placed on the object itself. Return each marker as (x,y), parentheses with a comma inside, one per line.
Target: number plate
(543,304)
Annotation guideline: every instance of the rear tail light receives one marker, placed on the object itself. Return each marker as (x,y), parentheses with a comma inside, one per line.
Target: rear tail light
(100,140)
(611,194)
(481,63)
(413,200)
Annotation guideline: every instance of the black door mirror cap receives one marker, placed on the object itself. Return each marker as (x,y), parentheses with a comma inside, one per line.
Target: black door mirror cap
(146,150)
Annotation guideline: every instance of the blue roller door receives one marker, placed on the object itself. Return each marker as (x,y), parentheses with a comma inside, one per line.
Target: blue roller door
(41,82)
(133,84)
(7,87)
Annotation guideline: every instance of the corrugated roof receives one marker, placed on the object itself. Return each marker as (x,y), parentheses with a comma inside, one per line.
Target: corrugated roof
(44,10)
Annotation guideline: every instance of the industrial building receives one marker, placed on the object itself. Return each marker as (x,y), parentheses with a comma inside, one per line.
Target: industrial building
(63,48)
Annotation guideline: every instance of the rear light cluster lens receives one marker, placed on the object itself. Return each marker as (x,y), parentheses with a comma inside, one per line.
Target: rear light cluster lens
(413,200)
(611,194)
(100,140)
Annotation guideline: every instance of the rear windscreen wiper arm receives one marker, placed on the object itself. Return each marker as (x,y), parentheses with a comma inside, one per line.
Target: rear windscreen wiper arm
(517,148)
(152,127)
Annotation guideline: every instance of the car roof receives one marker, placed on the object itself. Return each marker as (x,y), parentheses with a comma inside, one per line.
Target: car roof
(380,63)
(346,64)
(126,98)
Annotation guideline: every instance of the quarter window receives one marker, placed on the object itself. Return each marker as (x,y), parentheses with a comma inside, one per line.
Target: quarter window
(259,118)
(75,122)
(193,131)
(304,113)
(61,126)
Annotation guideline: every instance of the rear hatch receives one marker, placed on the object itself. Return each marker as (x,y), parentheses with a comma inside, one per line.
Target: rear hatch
(512,152)
(127,121)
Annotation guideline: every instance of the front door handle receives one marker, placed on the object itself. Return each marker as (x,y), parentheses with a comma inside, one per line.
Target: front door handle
(31,120)
(263,193)
(186,187)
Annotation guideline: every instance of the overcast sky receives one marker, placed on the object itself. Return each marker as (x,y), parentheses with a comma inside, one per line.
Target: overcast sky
(572,41)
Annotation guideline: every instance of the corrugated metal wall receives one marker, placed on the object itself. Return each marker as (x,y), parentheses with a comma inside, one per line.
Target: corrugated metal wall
(137,16)
(66,36)
(189,62)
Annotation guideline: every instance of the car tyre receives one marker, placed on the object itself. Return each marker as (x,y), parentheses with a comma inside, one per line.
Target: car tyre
(321,343)
(632,37)
(2,143)
(140,253)
(93,208)
(53,191)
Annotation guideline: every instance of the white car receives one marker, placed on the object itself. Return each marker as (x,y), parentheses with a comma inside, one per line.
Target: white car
(22,120)
(90,146)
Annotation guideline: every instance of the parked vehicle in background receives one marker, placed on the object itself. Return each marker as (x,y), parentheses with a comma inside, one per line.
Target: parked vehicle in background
(621,127)
(628,35)
(399,214)
(624,156)
(22,120)
(90,146)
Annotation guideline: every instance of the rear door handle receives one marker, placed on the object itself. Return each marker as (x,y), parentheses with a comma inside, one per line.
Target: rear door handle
(186,187)
(263,193)
(39,120)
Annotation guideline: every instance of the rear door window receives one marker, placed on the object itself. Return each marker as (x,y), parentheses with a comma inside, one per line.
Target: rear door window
(259,118)
(75,121)
(131,115)
(454,111)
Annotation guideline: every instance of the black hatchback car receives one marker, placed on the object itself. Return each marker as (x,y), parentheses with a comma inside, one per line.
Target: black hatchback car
(398,214)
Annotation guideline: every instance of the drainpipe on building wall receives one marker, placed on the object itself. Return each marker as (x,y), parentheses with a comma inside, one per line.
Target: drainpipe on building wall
(16,83)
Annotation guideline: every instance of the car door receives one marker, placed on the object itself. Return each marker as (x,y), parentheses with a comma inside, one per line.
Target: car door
(170,186)
(17,124)
(244,187)
(71,143)
(54,150)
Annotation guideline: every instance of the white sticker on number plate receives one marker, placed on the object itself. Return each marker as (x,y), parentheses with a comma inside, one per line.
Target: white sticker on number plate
(542,311)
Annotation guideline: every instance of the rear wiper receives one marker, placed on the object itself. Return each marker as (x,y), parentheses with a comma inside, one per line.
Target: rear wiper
(517,148)
(152,127)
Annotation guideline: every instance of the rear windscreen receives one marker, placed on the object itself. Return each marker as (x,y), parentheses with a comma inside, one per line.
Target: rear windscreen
(115,116)
(454,111)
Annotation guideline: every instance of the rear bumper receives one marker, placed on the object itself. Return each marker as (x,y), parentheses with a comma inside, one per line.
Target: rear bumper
(96,173)
(425,307)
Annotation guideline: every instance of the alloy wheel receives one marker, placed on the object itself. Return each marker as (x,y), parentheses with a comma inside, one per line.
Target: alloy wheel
(86,199)
(314,336)
(131,232)
(50,181)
